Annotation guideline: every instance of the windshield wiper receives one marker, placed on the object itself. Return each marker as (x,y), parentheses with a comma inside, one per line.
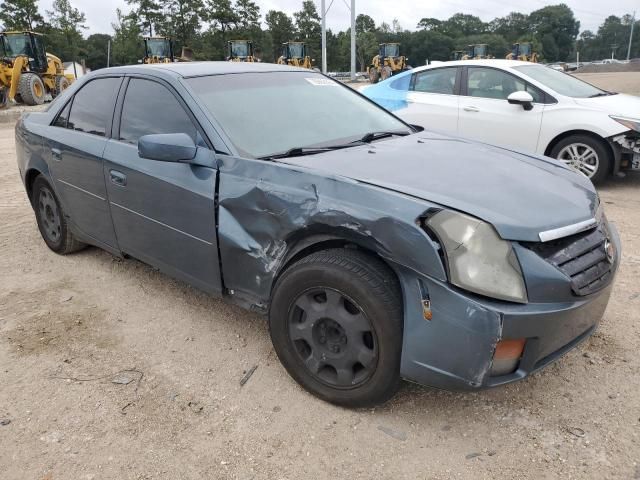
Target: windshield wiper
(301,151)
(371,136)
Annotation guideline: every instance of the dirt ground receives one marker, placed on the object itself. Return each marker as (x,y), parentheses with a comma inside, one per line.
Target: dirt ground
(111,370)
(622,82)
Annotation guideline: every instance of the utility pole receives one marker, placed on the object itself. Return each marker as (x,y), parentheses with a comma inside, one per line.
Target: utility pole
(353,40)
(633,22)
(108,52)
(323,9)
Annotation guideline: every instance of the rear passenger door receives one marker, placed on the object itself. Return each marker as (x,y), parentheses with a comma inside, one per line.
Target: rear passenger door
(76,142)
(433,100)
(163,212)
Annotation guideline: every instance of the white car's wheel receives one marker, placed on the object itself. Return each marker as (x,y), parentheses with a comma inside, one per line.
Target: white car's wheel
(584,154)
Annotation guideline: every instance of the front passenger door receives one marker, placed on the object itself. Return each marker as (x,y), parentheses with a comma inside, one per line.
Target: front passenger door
(163,212)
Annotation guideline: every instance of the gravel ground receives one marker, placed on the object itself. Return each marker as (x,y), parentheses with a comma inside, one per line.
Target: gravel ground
(111,370)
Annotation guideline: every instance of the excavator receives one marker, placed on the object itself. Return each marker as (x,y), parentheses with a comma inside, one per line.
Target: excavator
(240,51)
(523,52)
(160,50)
(387,63)
(28,74)
(295,54)
(478,51)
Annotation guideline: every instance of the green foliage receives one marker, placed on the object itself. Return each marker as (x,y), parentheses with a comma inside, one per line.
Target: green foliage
(148,14)
(20,15)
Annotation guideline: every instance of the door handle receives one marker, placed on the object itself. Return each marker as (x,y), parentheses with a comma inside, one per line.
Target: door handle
(118,178)
(471,108)
(56,153)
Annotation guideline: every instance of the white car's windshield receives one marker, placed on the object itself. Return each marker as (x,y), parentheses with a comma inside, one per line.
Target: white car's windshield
(560,82)
(270,113)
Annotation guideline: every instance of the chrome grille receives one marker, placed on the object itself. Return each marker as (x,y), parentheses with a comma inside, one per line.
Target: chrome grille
(582,257)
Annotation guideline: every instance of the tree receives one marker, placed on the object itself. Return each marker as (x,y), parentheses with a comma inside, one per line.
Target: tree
(462,24)
(364,23)
(221,15)
(513,27)
(148,12)
(281,30)
(66,23)
(20,15)
(308,26)
(556,28)
(96,47)
(366,49)
(126,48)
(248,13)
(429,23)
(182,20)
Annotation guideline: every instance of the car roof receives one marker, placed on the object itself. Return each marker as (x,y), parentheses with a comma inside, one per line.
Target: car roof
(200,69)
(494,62)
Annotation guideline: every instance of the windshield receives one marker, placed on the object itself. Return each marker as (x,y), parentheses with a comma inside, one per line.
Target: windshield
(239,49)
(266,114)
(392,50)
(560,82)
(480,50)
(17,45)
(296,50)
(158,48)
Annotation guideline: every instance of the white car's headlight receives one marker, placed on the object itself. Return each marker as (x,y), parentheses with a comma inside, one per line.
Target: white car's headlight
(630,123)
(478,259)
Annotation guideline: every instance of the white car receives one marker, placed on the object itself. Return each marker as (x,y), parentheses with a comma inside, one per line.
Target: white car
(522,106)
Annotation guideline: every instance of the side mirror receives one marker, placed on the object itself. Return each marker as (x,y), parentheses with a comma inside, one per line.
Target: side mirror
(521,98)
(167,147)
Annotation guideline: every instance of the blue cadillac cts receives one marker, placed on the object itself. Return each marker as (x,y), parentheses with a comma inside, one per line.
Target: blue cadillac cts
(377,251)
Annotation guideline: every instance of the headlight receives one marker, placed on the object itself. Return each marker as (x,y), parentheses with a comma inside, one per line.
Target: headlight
(630,123)
(478,259)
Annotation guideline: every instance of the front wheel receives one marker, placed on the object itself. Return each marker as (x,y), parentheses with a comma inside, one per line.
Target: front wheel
(374,75)
(386,72)
(584,154)
(336,325)
(31,89)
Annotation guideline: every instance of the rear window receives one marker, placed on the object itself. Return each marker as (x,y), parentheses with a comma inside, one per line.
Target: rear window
(92,106)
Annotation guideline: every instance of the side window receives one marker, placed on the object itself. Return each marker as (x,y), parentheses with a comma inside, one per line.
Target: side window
(401,83)
(93,106)
(496,84)
(149,108)
(63,118)
(439,80)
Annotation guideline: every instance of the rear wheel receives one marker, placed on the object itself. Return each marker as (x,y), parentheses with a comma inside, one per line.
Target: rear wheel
(374,75)
(584,154)
(336,325)
(4,97)
(31,89)
(62,83)
(51,220)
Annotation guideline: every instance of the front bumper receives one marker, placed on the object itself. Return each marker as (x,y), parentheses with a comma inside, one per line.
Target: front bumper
(454,350)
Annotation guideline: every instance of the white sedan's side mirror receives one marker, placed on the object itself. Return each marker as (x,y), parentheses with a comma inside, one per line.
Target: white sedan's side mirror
(521,98)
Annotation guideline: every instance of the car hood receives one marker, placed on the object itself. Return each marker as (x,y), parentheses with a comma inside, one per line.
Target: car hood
(520,195)
(619,104)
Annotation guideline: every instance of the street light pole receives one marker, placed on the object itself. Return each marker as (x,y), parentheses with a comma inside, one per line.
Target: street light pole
(324,36)
(353,40)
(633,22)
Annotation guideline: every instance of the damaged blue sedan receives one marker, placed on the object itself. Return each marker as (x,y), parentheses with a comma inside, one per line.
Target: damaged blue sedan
(377,251)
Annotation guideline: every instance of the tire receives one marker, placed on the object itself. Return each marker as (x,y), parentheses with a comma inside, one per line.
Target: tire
(62,83)
(585,154)
(374,75)
(31,89)
(51,221)
(386,73)
(336,325)
(4,97)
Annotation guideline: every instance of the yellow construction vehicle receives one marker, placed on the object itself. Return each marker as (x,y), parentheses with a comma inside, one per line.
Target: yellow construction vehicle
(240,51)
(28,74)
(478,51)
(388,62)
(458,55)
(295,55)
(523,52)
(158,50)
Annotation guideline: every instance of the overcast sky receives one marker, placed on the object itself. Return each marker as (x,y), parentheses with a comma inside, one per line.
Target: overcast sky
(101,13)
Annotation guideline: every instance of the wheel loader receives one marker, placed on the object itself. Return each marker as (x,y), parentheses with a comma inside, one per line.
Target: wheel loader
(240,51)
(523,52)
(160,50)
(28,74)
(387,63)
(295,55)
(458,55)
(478,51)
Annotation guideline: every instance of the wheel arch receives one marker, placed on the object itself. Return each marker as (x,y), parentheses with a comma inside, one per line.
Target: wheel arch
(605,143)
(30,177)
